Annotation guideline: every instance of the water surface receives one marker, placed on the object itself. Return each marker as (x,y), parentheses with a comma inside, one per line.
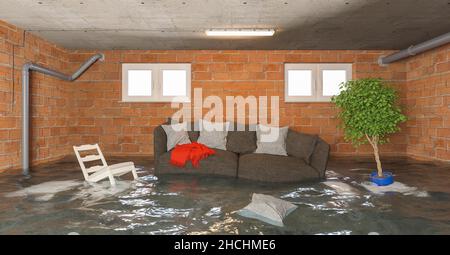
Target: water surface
(55,200)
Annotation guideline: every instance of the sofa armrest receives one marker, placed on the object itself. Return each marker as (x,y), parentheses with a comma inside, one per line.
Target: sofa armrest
(159,143)
(319,157)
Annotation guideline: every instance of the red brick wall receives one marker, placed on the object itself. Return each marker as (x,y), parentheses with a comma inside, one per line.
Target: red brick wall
(89,109)
(126,128)
(49,98)
(428,104)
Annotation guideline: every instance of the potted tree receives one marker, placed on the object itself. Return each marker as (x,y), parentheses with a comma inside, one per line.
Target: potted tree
(368,114)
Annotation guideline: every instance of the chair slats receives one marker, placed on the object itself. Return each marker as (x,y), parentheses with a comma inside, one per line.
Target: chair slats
(90,158)
(94,169)
(86,147)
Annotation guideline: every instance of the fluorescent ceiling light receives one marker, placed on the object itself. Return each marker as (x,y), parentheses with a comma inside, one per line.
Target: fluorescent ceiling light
(240,32)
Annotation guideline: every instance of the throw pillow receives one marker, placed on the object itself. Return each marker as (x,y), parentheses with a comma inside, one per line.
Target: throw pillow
(271,140)
(213,135)
(268,209)
(176,134)
(192,132)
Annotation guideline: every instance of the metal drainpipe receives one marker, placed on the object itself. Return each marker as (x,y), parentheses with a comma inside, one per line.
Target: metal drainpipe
(415,49)
(26,99)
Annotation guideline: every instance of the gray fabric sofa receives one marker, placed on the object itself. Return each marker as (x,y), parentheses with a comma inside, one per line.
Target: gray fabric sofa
(306,161)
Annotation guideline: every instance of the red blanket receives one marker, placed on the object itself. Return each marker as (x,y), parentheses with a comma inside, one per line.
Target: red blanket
(191,151)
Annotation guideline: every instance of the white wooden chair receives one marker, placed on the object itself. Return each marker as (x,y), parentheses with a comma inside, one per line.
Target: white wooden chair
(100,172)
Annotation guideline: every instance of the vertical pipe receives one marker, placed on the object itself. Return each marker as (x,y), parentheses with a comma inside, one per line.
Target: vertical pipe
(26,119)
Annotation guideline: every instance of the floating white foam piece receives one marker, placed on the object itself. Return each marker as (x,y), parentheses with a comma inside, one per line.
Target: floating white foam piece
(46,197)
(394,187)
(46,190)
(95,192)
(341,188)
(73,234)
(90,193)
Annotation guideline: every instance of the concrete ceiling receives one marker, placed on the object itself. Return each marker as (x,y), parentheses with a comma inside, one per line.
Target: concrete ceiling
(180,24)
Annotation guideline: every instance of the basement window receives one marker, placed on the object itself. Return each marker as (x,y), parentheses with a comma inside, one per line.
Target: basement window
(314,82)
(139,83)
(156,82)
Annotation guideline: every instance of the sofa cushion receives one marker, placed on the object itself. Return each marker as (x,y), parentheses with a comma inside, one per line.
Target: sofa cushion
(241,140)
(319,158)
(300,145)
(176,134)
(271,140)
(222,163)
(275,168)
(213,134)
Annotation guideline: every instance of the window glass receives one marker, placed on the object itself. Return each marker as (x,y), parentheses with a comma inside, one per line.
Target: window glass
(299,83)
(331,79)
(139,82)
(174,82)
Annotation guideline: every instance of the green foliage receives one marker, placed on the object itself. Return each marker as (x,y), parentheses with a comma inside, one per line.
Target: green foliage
(368,107)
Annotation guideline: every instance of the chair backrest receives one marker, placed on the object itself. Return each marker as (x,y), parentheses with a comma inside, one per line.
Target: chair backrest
(88,158)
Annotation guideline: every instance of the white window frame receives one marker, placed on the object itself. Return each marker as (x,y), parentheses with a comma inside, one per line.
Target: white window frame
(157,82)
(316,80)
(295,67)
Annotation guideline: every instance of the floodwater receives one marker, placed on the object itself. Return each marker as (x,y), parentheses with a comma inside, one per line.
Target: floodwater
(56,200)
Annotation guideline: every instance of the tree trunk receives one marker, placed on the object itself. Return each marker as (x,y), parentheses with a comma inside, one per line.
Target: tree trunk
(374,143)
(377,159)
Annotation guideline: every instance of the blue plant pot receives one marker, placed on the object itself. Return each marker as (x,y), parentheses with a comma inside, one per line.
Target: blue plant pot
(387,178)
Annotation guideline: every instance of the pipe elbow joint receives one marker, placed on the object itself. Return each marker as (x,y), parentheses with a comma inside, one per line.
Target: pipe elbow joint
(102,56)
(27,66)
(381,61)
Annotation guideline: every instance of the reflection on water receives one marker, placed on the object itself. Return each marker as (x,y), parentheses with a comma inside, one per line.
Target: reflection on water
(56,201)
